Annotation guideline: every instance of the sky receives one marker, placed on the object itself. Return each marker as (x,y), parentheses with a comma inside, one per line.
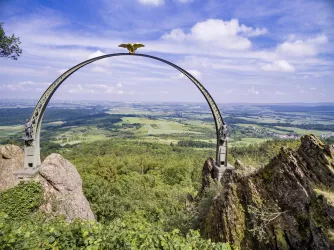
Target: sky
(242,51)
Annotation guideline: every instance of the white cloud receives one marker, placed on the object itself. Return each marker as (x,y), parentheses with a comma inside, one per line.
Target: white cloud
(77,89)
(279,92)
(237,67)
(98,69)
(175,35)
(61,71)
(197,74)
(27,83)
(26,86)
(96,54)
(92,88)
(31,83)
(313,88)
(309,47)
(252,90)
(152,2)
(217,32)
(120,92)
(101,62)
(280,65)
(184,1)
(249,31)
(119,85)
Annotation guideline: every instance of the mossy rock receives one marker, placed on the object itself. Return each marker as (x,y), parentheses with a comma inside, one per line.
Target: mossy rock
(281,242)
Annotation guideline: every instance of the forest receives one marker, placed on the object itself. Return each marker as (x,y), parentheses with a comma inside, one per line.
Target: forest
(138,192)
(141,171)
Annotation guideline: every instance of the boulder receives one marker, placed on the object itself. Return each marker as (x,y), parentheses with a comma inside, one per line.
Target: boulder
(11,160)
(63,189)
(61,182)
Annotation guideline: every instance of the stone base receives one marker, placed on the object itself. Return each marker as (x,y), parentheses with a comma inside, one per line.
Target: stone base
(26,172)
(229,167)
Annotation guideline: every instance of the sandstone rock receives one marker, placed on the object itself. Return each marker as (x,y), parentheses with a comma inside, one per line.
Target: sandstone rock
(11,159)
(10,151)
(63,189)
(207,172)
(61,182)
(280,205)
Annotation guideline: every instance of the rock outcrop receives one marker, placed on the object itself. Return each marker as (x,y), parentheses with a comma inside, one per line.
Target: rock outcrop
(288,204)
(60,179)
(63,189)
(11,160)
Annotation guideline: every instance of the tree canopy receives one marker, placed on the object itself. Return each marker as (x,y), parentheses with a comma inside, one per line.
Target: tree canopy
(9,45)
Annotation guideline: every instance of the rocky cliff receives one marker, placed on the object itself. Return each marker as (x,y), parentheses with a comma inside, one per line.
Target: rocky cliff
(11,160)
(60,180)
(288,204)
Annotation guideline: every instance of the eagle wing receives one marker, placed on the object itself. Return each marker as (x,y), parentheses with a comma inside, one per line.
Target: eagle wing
(123,45)
(138,45)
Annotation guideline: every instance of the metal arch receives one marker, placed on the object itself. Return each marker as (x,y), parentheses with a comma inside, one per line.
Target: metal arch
(32,148)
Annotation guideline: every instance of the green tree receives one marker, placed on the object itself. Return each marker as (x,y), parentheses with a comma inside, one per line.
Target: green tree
(9,45)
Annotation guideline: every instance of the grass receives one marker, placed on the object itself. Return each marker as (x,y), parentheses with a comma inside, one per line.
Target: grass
(329,195)
(128,111)
(157,140)
(157,127)
(262,120)
(11,130)
(266,128)
(57,123)
(247,141)
(304,131)
(77,135)
(249,125)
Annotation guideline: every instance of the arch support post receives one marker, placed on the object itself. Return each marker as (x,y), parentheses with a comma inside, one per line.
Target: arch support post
(221,157)
(32,159)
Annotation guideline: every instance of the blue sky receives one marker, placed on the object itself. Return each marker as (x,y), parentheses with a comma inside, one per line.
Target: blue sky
(242,51)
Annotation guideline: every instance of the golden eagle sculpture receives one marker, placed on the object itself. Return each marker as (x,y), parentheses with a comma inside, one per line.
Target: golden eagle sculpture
(131,47)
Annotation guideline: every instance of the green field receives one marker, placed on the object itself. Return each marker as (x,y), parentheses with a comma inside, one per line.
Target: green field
(159,126)
(11,130)
(76,135)
(169,124)
(304,131)
(247,141)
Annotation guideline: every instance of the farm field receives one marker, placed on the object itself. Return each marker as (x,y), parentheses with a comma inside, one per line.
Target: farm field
(300,131)
(167,123)
(6,131)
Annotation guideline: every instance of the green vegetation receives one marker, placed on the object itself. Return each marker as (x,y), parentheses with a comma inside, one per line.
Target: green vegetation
(195,144)
(138,165)
(137,192)
(22,200)
(123,178)
(40,233)
(260,154)
(328,194)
